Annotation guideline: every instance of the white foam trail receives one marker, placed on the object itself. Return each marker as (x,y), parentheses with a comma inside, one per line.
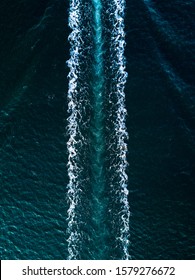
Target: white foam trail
(76,138)
(73,128)
(116,10)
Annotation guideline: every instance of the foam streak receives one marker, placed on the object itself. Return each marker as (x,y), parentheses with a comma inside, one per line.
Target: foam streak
(73,129)
(118,66)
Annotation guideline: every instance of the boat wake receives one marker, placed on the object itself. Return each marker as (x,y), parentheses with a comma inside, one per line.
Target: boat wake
(97,144)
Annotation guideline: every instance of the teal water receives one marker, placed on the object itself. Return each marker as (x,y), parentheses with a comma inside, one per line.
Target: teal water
(98,141)
(55,204)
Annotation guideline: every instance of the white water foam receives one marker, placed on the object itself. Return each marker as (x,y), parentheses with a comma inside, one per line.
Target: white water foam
(73,129)
(116,10)
(74,109)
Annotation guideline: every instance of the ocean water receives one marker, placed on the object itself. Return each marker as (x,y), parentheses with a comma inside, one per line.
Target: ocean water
(97,130)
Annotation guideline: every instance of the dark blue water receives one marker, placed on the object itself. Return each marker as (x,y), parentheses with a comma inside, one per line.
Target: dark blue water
(159,92)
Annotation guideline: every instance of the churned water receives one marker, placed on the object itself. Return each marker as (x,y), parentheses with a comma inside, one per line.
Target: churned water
(97,130)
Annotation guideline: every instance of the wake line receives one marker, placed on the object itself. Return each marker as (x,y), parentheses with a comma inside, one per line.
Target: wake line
(73,193)
(94,138)
(116,10)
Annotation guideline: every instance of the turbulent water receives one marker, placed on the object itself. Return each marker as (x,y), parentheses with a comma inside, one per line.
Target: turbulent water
(97,130)
(103,88)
